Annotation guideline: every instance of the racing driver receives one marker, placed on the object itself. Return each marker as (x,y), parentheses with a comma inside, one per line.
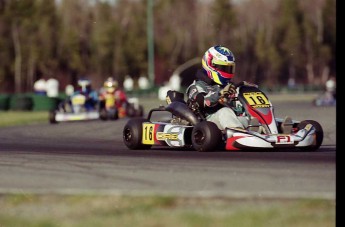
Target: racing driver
(213,81)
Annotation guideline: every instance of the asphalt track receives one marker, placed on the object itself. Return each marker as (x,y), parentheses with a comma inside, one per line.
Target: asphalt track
(90,157)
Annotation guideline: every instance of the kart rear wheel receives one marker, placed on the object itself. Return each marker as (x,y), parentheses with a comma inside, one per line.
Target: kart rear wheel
(52,115)
(318,134)
(103,115)
(140,111)
(115,115)
(130,110)
(206,136)
(132,134)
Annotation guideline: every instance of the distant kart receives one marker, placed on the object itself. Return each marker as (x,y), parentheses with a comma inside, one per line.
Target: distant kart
(183,126)
(75,108)
(109,110)
(325,99)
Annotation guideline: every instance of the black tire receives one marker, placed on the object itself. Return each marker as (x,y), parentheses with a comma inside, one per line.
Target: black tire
(140,111)
(52,115)
(318,133)
(115,115)
(317,102)
(206,136)
(132,134)
(103,114)
(130,110)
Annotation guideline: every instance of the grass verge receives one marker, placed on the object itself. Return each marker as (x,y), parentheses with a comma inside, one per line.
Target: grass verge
(109,210)
(12,118)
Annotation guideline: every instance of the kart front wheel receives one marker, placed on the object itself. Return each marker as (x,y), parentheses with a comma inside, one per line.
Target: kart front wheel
(130,110)
(206,136)
(132,134)
(318,134)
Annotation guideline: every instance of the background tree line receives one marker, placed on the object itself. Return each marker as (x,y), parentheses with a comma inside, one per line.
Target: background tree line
(273,40)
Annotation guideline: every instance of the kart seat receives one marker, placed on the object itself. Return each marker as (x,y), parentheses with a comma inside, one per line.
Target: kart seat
(286,126)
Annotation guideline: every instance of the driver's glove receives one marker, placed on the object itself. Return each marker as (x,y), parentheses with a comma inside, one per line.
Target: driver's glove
(228,90)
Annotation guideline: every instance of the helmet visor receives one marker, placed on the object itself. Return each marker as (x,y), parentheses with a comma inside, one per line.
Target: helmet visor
(230,68)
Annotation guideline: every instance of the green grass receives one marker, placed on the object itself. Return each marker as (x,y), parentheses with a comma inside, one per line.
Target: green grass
(107,210)
(12,118)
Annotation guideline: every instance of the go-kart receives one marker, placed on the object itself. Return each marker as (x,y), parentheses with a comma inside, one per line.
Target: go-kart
(326,99)
(110,110)
(78,107)
(185,126)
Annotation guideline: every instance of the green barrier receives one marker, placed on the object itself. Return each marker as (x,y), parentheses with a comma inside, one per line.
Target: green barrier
(21,102)
(42,102)
(29,102)
(4,101)
(150,92)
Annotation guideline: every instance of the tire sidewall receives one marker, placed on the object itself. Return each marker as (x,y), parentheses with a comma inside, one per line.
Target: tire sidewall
(134,126)
(212,136)
(318,133)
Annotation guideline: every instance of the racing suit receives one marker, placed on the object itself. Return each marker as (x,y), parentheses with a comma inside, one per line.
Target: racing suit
(116,99)
(207,93)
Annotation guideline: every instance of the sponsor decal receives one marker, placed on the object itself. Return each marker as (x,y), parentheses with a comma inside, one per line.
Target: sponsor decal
(261,106)
(169,136)
(168,100)
(192,92)
(173,135)
(282,139)
(308,127)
